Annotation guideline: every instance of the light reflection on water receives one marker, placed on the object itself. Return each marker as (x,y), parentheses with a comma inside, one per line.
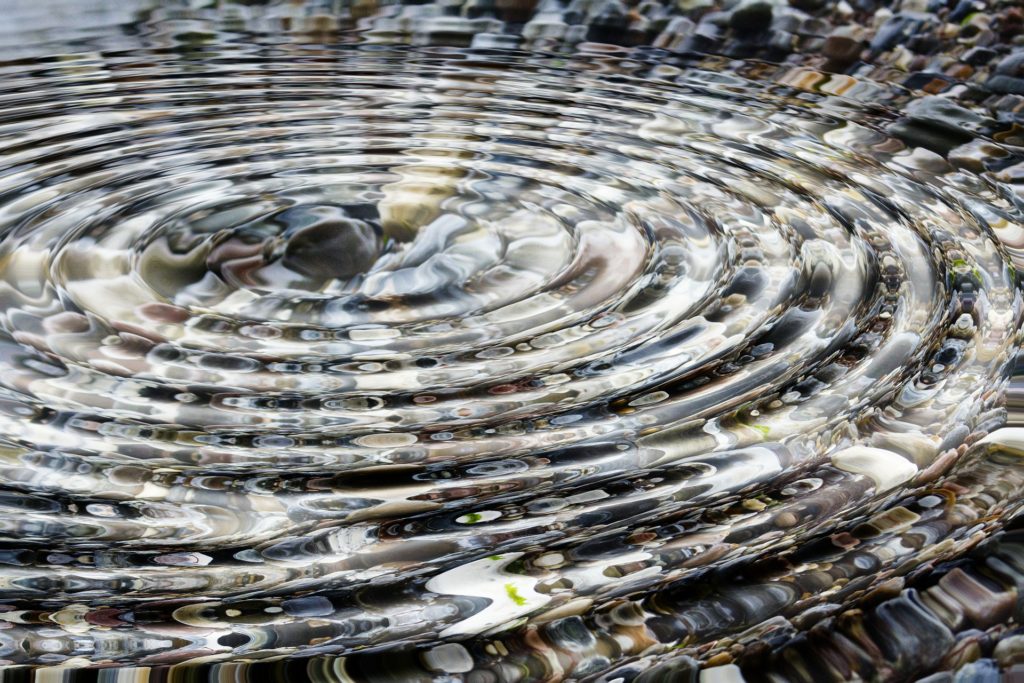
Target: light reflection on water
(316,348)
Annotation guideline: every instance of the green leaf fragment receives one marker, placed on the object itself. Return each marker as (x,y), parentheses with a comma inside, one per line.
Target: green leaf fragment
(514,595)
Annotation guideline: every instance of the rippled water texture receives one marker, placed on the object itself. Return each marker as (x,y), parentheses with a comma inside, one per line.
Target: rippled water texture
(487,365)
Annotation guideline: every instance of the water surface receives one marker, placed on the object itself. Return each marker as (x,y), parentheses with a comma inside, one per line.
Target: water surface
(473,363)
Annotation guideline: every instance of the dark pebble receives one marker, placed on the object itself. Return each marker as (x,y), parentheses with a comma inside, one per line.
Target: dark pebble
(908,634)
(311,606)
(699,42)
(963,9)
(515,11)
(748,281)
(945,114)
(1011,24)
(233,640)
(978,56)
(332,247)
(474,9)
(809,6)
(898,29)
(676,670)
(841,52)
(751,19)
(1005,85)
(928,81)
(1012,64)
(865,6)
(924,44)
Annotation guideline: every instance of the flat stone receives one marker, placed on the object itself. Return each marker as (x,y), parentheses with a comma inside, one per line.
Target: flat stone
(944,113)
(690,5)
(978,56)
(887,469)
(309,606)
(929,81)
(1005,85)
(448,658)
(807,5)
(1012,64)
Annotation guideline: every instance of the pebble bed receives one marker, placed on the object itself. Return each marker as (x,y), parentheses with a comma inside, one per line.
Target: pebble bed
(778,437)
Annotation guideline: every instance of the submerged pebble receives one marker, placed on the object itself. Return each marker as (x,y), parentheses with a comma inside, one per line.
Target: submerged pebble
(424,357)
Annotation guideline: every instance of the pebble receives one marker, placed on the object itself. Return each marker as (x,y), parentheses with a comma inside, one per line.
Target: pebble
(841,51)
(1011,65)
(898,29)
(753,18)
(978,56)
(1008,85)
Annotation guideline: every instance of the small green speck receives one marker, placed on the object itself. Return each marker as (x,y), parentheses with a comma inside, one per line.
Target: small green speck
(514,595)
(495,557)
(761,428)
(471,518)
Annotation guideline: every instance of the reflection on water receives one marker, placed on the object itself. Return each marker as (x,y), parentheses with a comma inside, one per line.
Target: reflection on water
(464,363)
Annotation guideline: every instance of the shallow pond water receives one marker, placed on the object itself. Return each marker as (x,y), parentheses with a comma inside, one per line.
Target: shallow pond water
(463,362)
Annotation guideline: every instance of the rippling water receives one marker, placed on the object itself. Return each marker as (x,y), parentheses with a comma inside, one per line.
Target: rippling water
(469,363)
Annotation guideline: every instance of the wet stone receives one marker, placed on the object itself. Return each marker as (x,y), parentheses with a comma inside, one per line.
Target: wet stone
(897,29)
(1008,85)
(310,606)
(841,51)
(751,19)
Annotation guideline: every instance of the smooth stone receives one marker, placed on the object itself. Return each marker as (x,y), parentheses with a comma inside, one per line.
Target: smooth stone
(1012,64)
(914,5)
(751,19)
(979,671)
(1007,85)
(807,5)
(690,5)
(978,56)
(335,249)
(928,81)
(841,51)
(897,30)
(309,606)
(910,635)
(680,669)
(727,673)
(886,468)
(1010,651)
(448,658)
(963,9)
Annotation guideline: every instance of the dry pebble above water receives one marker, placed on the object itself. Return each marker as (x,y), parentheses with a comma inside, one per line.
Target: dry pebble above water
(363,343)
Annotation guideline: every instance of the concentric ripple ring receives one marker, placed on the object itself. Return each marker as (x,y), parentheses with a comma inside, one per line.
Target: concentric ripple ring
(408,349)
